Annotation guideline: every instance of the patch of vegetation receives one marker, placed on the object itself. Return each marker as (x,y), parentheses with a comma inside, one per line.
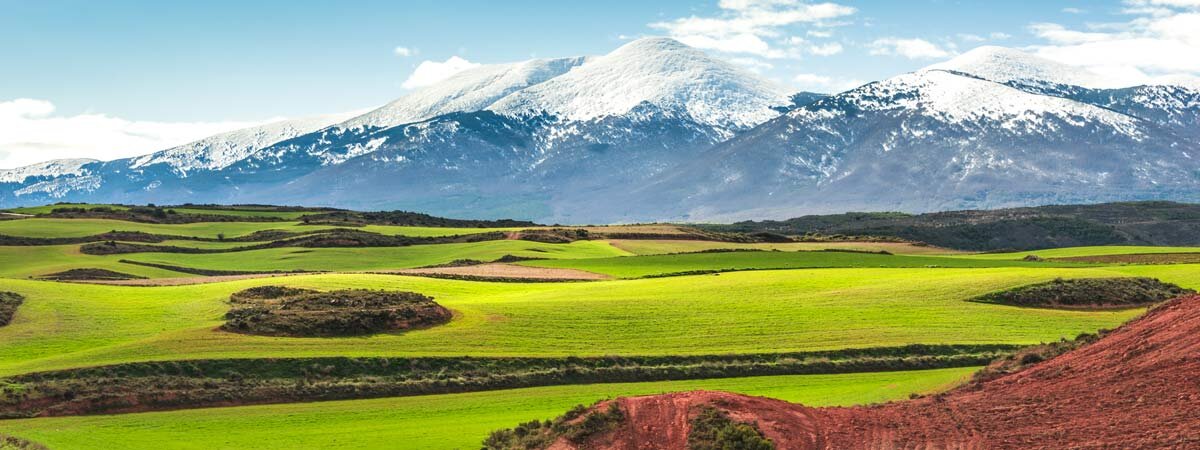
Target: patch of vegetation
(1088,293)
(334,238)
(89,274)
(126,236)
(554,235)
(15,443)
(406,218)
(1126,223)
(283,311)
(150,214)
(9,301)
(198,383)
(576,426)
(713,429)
(1031,355)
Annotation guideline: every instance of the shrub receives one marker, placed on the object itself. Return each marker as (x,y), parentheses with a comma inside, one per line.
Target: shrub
(1088,292)
(283,311)
(712,429)
(9,301)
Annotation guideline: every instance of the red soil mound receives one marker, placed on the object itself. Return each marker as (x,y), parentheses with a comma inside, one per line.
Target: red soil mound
(1138,387)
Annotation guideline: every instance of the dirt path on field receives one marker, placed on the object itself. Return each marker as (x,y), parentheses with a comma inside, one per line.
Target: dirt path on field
(1135,388)
(508,271)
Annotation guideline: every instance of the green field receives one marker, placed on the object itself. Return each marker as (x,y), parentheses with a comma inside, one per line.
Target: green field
(665,246)
(1084,251)
(456,421)
(48,228)
(648,265)
(67,325)
(664,301)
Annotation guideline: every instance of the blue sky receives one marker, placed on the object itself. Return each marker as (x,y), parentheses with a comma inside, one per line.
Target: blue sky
(195,67)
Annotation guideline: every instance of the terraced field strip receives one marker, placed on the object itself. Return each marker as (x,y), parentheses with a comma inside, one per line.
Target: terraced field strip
(436,421)
(667,246)
(1070,252)
(44,227)
(64,325)
(689,263)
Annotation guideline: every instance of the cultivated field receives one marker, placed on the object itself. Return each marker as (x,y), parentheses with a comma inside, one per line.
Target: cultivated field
(524,300)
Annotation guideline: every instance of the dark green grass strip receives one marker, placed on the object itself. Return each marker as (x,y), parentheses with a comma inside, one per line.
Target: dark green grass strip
(167,385)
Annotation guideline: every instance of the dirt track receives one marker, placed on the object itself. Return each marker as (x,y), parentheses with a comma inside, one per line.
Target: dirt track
(1137,388)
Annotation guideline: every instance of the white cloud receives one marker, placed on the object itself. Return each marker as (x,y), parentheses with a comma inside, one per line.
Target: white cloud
(1073,11)
(1157,44)
(753,27)
(431,72)
(828,49)
(403,51)
(822,83)
(908,48)
(967,37)
(30,133)
(753,64)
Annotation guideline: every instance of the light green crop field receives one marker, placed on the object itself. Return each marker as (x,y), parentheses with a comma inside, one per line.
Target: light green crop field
(49,228)
(456,421)
(34,261)
(641,266)
(65,325)
(665,246)
(23,262)
(1084,251)
(376,258)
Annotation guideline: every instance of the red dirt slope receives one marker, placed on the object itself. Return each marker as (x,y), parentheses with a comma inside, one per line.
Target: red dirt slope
(1137,388)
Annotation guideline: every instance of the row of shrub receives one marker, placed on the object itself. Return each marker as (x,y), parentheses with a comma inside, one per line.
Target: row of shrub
(327,239)
(197,383)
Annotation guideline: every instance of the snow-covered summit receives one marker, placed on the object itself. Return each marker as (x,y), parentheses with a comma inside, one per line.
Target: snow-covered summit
(470,90)
(661,72)
(52,168)
(225,149)
(955,98)
(1007,65)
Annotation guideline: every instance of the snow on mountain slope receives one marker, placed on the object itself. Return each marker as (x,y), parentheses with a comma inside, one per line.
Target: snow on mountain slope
(1006,65)
(52,168)
(954,98)
(222,150)
(470,90)
(657,71)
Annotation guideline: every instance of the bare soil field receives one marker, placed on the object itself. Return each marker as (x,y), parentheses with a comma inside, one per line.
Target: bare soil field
(1145,258)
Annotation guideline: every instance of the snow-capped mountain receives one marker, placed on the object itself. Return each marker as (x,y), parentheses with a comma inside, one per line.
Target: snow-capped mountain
(657,130)
(659,72)
(48,169)
(935,140)
(225,149)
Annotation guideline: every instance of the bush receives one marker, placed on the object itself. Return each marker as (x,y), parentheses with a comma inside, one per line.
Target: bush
(712,429)
(282,311)
(9,301)
(1088,292)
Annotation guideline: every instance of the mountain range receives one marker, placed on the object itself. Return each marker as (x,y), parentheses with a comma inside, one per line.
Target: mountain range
(657,130)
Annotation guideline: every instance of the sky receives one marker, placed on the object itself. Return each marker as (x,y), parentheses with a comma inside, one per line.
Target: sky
(122,78)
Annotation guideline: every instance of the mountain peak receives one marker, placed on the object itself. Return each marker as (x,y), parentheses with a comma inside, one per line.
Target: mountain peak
(660,72)
(1008,65)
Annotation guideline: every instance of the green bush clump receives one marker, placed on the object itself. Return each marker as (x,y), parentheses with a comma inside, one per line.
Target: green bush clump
(577,426)
(712,429)
(1088,293)
(282,311)
(9,301)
